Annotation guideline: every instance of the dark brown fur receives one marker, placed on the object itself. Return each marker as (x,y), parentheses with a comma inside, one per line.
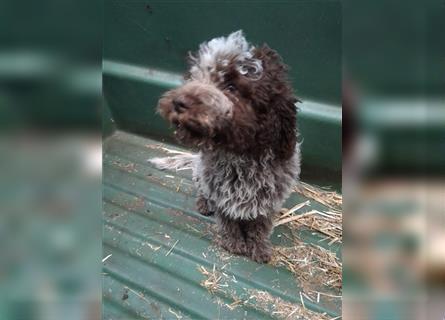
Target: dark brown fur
(246,237)
(263,119)
(264,114)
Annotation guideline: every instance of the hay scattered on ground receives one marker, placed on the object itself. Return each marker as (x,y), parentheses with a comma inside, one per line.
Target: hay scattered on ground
(317,270)
(216,281)
(312,265)
(329,198)
(328,223)
(279,308)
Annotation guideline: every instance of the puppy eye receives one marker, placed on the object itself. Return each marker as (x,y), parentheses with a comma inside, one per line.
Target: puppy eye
(231,88)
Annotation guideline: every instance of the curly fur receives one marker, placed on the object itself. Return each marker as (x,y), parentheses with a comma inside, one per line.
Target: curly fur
(238,109)
(243,187)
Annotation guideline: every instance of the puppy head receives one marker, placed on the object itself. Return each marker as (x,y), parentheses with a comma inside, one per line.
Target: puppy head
(235,97)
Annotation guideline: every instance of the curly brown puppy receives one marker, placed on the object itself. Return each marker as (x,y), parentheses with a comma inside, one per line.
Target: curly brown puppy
(237,108)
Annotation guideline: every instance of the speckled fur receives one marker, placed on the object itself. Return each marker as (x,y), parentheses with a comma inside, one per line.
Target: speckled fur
(237,108)
(242,187)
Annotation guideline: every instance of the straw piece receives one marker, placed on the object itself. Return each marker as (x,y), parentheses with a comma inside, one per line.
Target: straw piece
(328,223)
(293,218)
(330,199)
(171,249)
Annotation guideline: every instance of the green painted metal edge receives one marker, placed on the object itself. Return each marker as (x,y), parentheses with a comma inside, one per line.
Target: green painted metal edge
(319,123)
(149,75)
(310,109)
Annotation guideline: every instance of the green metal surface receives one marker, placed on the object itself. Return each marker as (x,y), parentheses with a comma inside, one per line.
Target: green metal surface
(159,34)
(157,242)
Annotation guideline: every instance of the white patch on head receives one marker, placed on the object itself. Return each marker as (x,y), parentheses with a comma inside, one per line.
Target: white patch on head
(220,51)
(251,68)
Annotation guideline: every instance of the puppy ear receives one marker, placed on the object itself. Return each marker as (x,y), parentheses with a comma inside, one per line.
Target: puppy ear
(250,68)
(270,59)
(190,60)
(286,126)
(277,97)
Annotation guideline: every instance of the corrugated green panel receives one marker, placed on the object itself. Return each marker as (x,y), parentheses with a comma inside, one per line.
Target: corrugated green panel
(157,242)
(159,34)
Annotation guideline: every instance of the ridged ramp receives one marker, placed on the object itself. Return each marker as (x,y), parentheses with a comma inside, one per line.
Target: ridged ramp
(157,246)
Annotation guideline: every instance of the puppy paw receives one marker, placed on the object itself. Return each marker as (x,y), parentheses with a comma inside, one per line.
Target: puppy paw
(203,207)
(262,256)
(260,252)
(235,246)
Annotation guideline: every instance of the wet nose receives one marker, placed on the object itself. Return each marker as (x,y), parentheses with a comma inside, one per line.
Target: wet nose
(179,105)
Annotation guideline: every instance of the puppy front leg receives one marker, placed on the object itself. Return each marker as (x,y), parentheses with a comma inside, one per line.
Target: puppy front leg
(230,235)
(257,234)
(205,206)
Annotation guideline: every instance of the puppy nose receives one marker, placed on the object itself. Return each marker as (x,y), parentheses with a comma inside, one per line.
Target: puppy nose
(179,105)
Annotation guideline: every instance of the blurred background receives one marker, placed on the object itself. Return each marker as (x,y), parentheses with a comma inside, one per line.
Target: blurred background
(50,159)
(393,159)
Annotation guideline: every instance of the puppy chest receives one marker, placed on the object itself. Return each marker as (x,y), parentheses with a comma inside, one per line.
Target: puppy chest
(239,180)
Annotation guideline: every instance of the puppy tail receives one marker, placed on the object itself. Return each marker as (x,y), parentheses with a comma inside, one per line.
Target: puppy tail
(180,162)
